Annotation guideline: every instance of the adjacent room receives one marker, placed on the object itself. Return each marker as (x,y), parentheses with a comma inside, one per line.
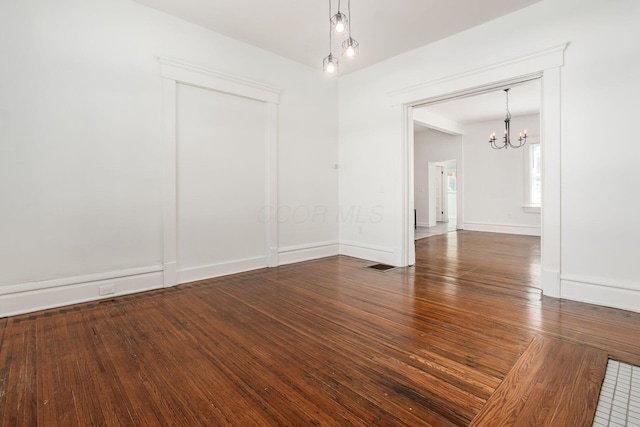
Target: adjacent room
(319,213)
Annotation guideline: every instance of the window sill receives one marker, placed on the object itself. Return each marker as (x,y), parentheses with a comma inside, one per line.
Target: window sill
(531,209)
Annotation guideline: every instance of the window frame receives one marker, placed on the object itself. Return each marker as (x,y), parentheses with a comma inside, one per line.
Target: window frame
(527,206)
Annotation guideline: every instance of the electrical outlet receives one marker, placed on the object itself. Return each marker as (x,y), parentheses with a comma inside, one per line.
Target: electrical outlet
(107,289)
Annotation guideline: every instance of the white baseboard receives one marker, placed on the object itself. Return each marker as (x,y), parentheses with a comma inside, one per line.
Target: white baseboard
(272,257)
(170,270)
(525,230)
(222,269)
(293,254)
(425,224)
(69,291)
(609,293)
(551,283)
(368,252)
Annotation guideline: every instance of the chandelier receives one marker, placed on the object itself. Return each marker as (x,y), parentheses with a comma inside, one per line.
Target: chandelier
(506,142)
(339,23)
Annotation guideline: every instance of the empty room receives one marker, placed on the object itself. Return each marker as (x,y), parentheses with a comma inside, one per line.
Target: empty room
(320,212)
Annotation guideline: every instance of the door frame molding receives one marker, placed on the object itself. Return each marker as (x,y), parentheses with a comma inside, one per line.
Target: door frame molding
(545,65)
(172,72)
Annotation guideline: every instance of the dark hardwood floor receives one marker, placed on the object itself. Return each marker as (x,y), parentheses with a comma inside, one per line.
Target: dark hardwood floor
(464,334)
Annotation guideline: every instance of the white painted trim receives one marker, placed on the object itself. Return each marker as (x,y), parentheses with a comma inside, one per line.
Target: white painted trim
(170,186)
(602,281)
(271,183)
(368,252)
(74,293)
(222,269)
(531,209)
(407,255)
(545,65)
(75,280)
(425,224)
(175,71)
(550,218)
(292,254)
(551,280)
(439,123)
(184,72)
(593,291)
(525,230)
(499,73)
(170,273)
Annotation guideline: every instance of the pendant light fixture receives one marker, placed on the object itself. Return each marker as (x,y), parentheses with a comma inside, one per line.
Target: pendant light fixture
(330,63)
(350,47)
(506,142)
(339,21)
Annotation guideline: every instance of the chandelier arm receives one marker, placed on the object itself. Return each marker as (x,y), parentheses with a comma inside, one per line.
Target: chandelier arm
(495,146)
(522,141)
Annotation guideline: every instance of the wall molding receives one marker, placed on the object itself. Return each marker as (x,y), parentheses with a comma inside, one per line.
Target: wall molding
(546,65)
(174,72)
(69,291)
(498,73)
(599,291)
(221,269)
(369,252)
(299,253)
(525,230)
(184,72)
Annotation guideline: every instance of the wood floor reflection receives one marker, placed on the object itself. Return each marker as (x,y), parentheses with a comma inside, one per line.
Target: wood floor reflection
(326,342)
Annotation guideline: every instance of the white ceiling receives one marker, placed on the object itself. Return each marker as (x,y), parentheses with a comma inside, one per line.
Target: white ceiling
(523,99)
(299,29)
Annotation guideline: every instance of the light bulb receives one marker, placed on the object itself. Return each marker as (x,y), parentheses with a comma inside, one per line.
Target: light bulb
(350,51)
(339,27)
(330,67)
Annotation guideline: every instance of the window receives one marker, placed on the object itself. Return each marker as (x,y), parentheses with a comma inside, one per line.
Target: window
(533,176)
(451,182)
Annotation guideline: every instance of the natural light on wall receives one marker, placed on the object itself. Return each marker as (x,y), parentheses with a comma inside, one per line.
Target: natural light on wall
(533,175)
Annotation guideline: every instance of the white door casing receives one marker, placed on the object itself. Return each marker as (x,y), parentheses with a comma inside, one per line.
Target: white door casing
(545,65)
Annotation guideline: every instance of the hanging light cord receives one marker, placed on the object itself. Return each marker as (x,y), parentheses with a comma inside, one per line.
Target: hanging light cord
(348,10)
(330,25)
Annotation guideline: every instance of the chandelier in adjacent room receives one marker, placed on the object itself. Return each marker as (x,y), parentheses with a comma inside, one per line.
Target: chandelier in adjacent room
(506,140)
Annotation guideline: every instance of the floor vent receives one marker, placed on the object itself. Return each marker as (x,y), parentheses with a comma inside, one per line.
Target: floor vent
(619,402)
(381,267)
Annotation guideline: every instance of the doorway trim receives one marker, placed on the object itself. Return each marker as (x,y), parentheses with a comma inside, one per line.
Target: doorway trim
(544,65)
(174,71)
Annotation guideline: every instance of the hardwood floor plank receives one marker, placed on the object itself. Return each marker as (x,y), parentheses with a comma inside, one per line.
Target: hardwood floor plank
(324,342)
(554,383)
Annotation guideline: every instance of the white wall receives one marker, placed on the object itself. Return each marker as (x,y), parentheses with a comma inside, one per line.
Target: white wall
(219,193)
(599,90)
(431,146)
(81,145)
(494,191)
